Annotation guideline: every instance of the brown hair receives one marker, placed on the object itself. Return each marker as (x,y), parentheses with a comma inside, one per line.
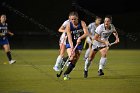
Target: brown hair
(73,13)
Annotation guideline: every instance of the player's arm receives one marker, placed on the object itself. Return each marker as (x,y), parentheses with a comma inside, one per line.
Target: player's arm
(63,26)
(62,29)
(85,32)
(90,36)
(97,37)
(89,30)
(10,33)
(116,36)
(69,35)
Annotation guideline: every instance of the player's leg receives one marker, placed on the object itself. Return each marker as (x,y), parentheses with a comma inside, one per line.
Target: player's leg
(73,61)
(87,51)
(102,60)
(89,48)
(7,51)
(62,51)
(59,58)
(71,66)
(88,62)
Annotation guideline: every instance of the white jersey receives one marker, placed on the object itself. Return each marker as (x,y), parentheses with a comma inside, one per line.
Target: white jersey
(104,34)
(63,36)
(91,29)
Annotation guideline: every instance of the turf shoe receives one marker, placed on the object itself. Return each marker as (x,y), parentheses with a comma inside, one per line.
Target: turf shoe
(12,61)
(56,68)
(100,72)
(66,77)
(85,74)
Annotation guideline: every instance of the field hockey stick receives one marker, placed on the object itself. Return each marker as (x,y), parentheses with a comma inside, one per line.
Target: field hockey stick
(58,75)
(85,43)
(110,44)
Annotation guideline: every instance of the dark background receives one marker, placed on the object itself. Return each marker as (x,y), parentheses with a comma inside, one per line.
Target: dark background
(36,22)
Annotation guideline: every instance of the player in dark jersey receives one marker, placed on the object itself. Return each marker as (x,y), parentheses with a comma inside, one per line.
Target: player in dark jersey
(4,39)
(76,31)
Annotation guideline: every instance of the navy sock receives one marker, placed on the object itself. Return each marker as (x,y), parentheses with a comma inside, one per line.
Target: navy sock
(9,56)
(69,69)
(65,58)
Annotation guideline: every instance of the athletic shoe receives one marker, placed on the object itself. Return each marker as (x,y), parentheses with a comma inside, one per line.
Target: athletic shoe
(85,74)
(12,61)
(100,72)
(56,68)
(66,77)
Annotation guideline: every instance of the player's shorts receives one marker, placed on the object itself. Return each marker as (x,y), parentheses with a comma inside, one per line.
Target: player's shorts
(63,39)
(4,41)
(79,47)
(97,45)
(88,40)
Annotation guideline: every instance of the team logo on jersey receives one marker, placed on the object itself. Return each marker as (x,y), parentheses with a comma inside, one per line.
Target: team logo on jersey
(3,28)
(77,33)
(106,35)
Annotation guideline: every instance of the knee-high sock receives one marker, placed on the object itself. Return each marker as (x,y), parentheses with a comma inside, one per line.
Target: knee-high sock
(102,62)
(87,53)
(9,56)
(69,69)
(58,61)
(65,58)
(87,64)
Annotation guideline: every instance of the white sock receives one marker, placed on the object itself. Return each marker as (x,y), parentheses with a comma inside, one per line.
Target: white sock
(102,62)
(87,64)
(58,61)
(87,53)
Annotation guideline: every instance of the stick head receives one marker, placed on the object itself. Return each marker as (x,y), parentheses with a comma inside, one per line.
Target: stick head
(58,75)
(112,43)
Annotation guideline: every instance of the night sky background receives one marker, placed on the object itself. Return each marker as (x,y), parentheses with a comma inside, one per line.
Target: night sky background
(36,22)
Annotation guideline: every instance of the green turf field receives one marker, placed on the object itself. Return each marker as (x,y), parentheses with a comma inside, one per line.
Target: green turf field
(33,73)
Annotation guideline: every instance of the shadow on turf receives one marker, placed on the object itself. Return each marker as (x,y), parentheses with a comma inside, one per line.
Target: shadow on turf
(110,77)
(22,92)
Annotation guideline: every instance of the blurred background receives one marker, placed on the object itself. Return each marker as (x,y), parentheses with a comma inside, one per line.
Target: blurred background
(36,22)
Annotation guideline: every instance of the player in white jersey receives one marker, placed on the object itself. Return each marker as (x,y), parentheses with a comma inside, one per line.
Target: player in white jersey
(101,43)
(62,43)
(91,28)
